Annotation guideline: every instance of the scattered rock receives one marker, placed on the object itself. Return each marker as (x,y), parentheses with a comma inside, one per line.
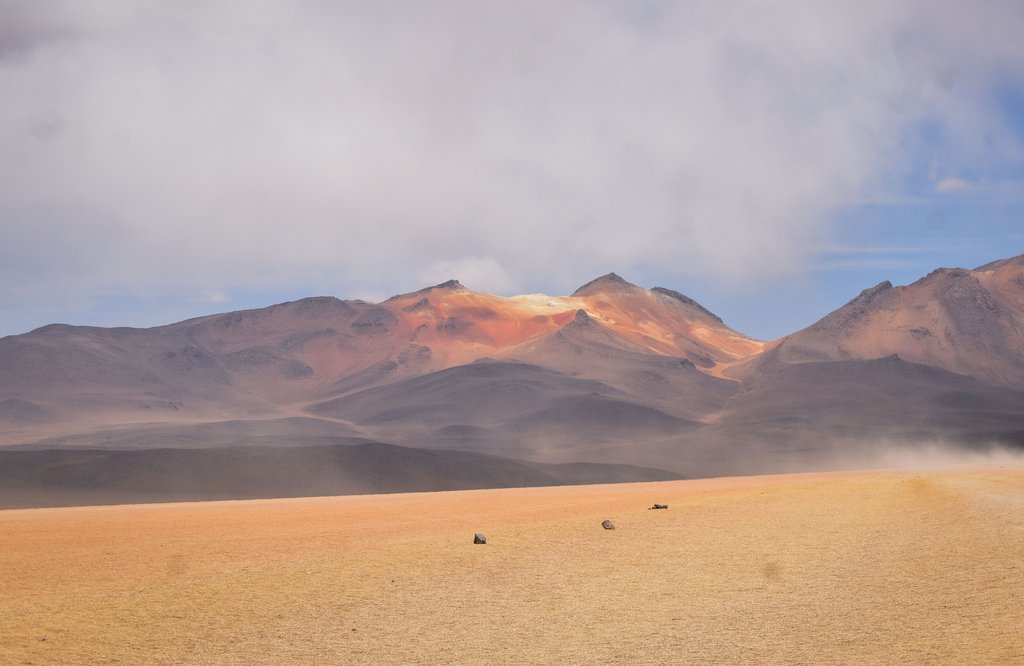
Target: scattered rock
(608,525)
(660,506)
(479,538)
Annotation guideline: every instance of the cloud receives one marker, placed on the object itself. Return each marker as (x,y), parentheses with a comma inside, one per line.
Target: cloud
(215,296)
(952,185)
(360,147)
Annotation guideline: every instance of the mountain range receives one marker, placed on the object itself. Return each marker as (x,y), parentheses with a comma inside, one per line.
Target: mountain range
(635,383)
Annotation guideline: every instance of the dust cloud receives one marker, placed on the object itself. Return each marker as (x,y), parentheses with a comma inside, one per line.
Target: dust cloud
(923,456)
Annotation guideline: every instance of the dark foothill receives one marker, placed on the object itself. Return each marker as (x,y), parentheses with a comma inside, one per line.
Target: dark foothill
(660,506)
(608,525)
(479,538)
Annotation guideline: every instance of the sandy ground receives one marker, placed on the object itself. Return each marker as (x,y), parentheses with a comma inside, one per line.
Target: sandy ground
(870,567)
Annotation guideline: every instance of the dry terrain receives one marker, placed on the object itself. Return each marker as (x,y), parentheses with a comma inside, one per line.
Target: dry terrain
(614,373)
(870,567)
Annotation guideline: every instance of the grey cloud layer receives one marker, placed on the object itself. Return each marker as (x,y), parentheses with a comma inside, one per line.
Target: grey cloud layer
(208,146)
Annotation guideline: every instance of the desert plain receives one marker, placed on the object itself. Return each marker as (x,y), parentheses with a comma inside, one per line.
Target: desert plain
(842,567)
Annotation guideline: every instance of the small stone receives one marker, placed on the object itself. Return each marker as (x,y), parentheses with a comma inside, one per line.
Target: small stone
(660,506)
(608,525)
(479,538)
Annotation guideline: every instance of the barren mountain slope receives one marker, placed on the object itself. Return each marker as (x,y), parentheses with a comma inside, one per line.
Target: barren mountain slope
(613,373)
(275,361)
(848,414)
(967,321)
(508,408)
(587,348)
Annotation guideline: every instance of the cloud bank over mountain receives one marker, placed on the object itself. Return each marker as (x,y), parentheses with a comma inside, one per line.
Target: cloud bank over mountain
(219,146)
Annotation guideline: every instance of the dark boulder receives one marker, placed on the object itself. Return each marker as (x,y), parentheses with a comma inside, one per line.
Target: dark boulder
(479,538)
(660,506)
(608,525)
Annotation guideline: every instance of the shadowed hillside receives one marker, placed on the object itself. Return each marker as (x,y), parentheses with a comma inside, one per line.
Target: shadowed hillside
(56,477)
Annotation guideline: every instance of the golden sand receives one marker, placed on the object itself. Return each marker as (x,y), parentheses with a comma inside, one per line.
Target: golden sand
(869,567)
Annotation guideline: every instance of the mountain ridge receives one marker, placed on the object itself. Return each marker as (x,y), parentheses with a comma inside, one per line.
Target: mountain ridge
(613,373)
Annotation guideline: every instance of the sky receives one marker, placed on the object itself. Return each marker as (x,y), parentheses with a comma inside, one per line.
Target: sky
(163,160)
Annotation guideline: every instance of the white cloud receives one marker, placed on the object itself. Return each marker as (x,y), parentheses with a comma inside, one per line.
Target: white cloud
(215,296)
(952,185)
(364,146)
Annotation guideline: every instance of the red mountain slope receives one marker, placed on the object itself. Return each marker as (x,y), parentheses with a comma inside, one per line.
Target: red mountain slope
(970,322)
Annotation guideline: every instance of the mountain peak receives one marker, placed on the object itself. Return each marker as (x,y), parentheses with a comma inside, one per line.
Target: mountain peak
(452,285)
(860,304)
(607,281)
(871,292)
(686,300)
(993,265)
